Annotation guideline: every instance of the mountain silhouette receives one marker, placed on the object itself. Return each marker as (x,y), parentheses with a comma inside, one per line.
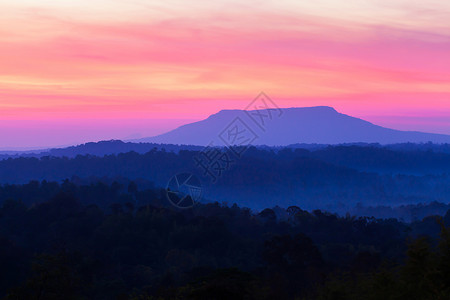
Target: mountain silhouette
(286,126)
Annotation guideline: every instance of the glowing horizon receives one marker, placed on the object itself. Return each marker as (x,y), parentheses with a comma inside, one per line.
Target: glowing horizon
(62,61)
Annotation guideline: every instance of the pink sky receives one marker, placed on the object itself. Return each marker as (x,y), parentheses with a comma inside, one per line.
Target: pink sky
(78,71)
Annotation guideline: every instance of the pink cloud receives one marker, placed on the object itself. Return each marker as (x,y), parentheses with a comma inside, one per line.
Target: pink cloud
(160,68)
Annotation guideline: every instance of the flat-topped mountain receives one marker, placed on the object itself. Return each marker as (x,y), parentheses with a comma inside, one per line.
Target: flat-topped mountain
(320,124)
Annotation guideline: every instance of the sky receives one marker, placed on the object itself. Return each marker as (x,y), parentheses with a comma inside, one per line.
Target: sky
(78,71)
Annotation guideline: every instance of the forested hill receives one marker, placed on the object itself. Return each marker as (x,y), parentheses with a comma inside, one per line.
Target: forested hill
(98,149)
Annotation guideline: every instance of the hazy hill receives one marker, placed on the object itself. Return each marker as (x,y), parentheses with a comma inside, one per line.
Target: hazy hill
(321,124)
(101,148)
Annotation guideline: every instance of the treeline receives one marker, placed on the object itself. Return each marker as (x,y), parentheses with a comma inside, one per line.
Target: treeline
(98,149)
(104,191)
(102,241)
(408,158)
(403,147)
(389,159)
(260,178)
(406,213)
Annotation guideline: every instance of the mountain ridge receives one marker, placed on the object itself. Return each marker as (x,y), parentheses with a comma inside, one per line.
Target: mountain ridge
(316,124)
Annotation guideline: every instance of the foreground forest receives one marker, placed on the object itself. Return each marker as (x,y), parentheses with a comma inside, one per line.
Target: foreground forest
(115,241)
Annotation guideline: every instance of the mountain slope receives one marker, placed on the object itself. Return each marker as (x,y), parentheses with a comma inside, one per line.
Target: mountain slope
(321,124)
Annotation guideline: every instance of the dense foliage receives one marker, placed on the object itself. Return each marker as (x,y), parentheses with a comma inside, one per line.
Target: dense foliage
(98,241)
